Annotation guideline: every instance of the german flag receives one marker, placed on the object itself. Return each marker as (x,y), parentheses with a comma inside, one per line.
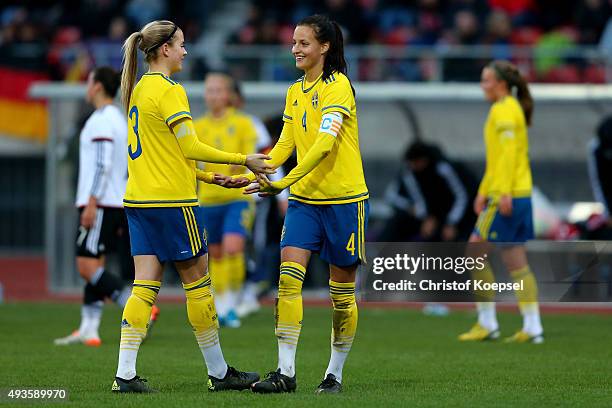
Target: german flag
(20,116)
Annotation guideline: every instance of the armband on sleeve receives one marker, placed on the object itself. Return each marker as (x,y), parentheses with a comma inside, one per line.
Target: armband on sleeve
(331,123)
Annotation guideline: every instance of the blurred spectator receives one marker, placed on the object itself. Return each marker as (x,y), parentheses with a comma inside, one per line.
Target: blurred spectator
(80,34)
(430,198)
(499,30)
(466,31)
(550,53)
(520,11)
(600,169)
(591,19)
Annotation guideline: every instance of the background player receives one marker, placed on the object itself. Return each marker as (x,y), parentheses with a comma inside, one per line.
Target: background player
(102,223)
(328,206)
(228,214)
(503,203)
(162,206)
(269,216)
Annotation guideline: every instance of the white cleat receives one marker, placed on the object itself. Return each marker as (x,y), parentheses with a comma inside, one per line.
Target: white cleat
(247,308)
(73,338)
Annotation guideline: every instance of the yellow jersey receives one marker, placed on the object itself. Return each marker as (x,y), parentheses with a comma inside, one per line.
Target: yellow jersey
(158,173)
(338,178)
(235,133)
(507,151)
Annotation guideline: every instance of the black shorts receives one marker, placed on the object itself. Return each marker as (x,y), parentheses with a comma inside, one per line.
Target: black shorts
(109,228)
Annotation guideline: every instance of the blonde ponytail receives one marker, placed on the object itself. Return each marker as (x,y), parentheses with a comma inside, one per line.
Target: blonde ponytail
(130,67)
(148,40)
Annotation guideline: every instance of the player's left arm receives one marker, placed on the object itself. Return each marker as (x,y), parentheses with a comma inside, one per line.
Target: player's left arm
(336,100)
(446,171)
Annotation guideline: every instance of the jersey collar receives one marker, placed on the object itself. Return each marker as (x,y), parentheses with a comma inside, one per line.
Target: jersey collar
(311,86)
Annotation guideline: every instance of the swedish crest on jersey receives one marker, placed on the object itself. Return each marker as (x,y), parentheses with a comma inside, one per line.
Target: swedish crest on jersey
(315,100)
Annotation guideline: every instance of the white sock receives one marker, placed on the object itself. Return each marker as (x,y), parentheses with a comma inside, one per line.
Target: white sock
(486,315)
(286,358)
(84,320)
(208,341)
(221,304)
(232,300)
(532,324)
(336,363)
(127,363)
(91,315)
(249,293)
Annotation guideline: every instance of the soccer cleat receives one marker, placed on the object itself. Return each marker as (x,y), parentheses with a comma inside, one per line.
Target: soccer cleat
(479,333)
(524,337)
(230,320)
(275,382)
(233,380)
(135,385)
(92,341)
(247,308)
(329,386)
(72,338)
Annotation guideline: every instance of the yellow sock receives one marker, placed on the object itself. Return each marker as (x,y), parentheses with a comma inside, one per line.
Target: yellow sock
(219,275)
(486,275)
(289,309)
(200,305)
(134,324)
(345,315)
(203,318)
(528,296)
(236,270)
(138,307)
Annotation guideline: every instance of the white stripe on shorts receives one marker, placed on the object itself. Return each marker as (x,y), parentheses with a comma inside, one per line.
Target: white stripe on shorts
(93,237)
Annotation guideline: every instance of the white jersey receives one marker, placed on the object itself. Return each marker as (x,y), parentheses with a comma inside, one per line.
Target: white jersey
(103,158)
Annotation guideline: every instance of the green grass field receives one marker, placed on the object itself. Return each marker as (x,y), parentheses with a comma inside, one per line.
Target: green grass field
(400,358)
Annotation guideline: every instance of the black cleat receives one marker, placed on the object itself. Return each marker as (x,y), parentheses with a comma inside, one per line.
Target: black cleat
(136,385)
(234,380)
(275,382)
(329,386)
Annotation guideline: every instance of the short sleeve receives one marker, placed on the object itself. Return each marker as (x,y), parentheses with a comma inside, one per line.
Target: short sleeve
(289,103)
(337,96)
(174,105)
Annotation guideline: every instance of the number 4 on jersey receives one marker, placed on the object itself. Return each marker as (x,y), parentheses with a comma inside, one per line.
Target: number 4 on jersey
(304,121)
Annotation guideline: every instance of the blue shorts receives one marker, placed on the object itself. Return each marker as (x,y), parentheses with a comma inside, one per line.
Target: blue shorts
(232,218)
(518,227)
(335,231)
(170,233)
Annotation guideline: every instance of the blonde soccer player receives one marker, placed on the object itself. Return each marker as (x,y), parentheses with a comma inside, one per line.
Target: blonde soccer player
(161,203)
(328,201)
(503,203)
(227,213)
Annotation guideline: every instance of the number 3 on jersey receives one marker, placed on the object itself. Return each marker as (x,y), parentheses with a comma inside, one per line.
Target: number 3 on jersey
(134,115)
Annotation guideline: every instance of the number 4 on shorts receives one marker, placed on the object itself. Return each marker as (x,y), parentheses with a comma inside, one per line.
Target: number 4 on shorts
(350,245)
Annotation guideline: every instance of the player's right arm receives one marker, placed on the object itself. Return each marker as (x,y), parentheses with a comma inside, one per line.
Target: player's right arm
(193,149)
(281,151)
